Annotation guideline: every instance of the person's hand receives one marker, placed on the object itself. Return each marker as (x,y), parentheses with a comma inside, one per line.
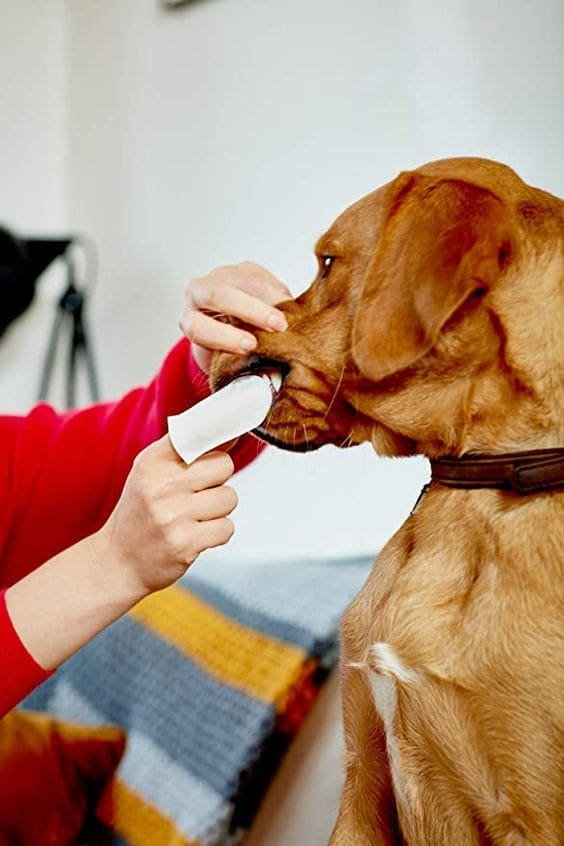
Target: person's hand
(247,291)
(167,514)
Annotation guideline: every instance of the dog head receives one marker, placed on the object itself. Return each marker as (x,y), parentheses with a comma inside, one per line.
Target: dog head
(433,324)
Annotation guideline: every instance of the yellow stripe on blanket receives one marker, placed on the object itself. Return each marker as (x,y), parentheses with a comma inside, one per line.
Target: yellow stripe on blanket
(136,820)
(261,666)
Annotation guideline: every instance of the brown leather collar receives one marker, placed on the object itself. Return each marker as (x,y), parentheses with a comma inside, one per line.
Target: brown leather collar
(520,472)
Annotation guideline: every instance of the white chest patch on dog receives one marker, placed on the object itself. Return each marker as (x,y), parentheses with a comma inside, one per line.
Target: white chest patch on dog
(384,672)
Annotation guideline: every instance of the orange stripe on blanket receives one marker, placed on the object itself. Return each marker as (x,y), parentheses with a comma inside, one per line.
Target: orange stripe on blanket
(138,822)
(261,666)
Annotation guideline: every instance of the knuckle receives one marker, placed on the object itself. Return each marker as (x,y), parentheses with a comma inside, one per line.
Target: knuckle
(183,535)
(141,474)
(196,289)
(216,296)
(231,499)
(190,285)
(195,543)
(138,465)
(199,542)
(221,466)
(226,465)
(225,530)
(188,550)
(190,322)
(200,291)
(142,460)
(161,517)
(247,266)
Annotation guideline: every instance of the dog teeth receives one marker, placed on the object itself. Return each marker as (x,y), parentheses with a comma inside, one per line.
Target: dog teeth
(274,378)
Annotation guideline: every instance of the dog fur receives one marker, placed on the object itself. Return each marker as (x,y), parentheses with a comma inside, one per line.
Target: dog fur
(434,327)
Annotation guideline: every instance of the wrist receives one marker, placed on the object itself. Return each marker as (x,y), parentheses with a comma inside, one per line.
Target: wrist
(63,604)
(112,571)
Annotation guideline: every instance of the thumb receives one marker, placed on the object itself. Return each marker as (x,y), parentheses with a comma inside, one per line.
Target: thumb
(162,450)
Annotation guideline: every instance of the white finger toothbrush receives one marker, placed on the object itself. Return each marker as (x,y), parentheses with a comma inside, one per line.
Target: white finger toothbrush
(234,410)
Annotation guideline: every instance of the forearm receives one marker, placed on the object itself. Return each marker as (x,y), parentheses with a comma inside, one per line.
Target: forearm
(59,607)
(61,475)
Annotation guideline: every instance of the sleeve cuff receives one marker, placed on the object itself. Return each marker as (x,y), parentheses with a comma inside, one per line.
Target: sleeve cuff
(19,671)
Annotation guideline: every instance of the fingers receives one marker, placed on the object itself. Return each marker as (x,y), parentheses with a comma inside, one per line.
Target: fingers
(260,282)
(213,504)
(246,291)
(250,277)
(209,471)
(208,332)
(215,533)
(162,470)
(167,514)
(226,297)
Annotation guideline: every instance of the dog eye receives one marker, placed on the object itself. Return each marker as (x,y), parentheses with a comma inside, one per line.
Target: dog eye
(326,263)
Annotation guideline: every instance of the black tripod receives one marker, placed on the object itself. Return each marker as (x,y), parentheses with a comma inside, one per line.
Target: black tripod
(70,320)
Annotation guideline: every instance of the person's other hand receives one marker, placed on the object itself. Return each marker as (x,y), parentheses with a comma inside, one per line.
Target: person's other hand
(247,291)
(167,514)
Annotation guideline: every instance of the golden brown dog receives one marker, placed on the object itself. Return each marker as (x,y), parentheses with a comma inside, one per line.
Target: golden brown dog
(434,326)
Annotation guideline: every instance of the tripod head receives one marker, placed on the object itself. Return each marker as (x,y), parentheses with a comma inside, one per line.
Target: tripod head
(22,261)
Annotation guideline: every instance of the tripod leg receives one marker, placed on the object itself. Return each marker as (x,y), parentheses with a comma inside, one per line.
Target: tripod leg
(81,347)
(50,355)
(90,366)
(74,347)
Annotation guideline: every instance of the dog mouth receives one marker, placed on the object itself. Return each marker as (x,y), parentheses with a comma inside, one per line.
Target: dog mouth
(302,446)
(277,432)
(270,429)
(274,372)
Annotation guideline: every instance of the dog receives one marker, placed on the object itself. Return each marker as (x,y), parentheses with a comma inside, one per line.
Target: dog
(434,327)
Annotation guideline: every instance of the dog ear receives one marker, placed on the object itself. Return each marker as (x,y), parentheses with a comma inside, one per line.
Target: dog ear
(442,243)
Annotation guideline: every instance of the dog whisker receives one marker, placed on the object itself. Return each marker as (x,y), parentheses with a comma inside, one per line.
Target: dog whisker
(337,386)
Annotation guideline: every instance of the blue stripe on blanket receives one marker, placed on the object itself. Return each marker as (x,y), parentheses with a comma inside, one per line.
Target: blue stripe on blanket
(280,629)
(142,682)
(159,780)
(308,594)
(201,751)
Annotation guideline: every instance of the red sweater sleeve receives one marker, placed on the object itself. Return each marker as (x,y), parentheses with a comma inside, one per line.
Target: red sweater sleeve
(19,671)
(61,475)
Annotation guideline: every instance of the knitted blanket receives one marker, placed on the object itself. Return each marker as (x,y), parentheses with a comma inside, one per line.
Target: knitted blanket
(211,679)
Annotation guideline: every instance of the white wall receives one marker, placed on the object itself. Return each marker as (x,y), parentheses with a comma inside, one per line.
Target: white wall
(233,129)
(32,169)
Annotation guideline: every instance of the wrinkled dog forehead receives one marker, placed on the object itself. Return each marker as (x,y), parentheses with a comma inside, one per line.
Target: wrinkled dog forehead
(359,225)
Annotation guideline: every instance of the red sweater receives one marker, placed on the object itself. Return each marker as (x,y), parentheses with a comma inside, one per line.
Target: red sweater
(62,474)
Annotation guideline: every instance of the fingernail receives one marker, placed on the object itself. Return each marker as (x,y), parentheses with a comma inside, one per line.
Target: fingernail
(248,344)
(277,321)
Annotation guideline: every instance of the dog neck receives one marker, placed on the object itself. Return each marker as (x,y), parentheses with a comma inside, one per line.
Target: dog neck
(536,471)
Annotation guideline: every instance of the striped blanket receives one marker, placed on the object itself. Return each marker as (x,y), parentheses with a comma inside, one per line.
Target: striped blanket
(210,678)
